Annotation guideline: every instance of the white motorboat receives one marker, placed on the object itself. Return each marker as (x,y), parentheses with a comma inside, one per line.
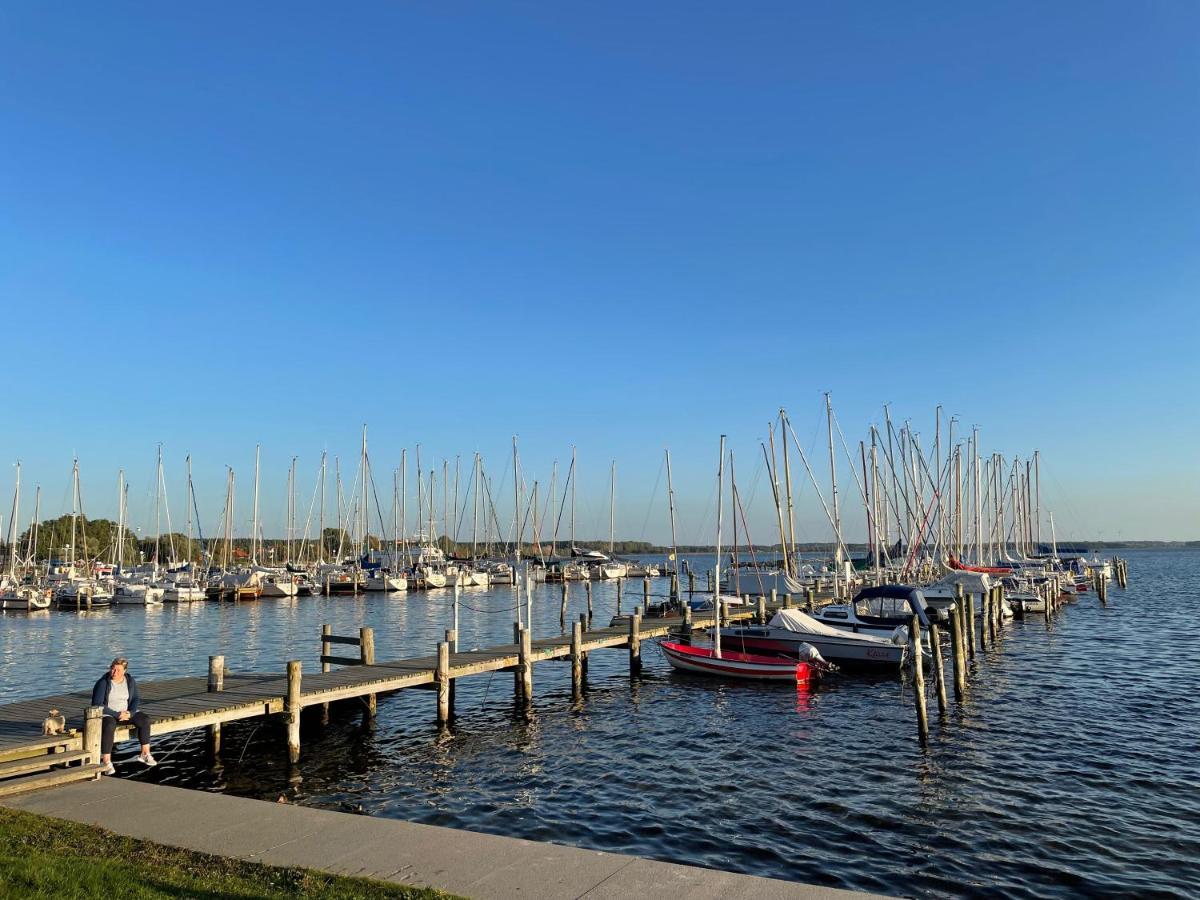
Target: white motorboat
(940,595)
(276,583)
(132,593)
(383,580)
(790,631)
(877,611)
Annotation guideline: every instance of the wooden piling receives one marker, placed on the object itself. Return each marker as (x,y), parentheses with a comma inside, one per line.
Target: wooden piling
(635,645)
(92,722)
(526,664)
(691,582)
(811,597)
(366,655)
(576,660)
(762,610)
(919,679)
(292,710)
(517,677)
(452,640)
(645,592)
(968,620)
(939,680)
(787,601)
(441,678)
(774,598)
(620,587)
(984,617)
(687,618)
(956,648)
(583,657)
(587,586)
(216,682)
(562,606)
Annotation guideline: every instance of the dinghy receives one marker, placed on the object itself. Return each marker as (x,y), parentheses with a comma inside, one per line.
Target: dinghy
(730,664)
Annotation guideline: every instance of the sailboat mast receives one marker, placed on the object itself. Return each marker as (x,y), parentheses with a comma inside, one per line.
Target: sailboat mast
(404,505)
(554,510)
(120,519)
(671,509)
(254,520)
(774,469)
(321,513)
(74,508)
(157,507)
(837,521)
(12,525)
(517,527)
(612,505)
(574,478)
(1037,479)
(34,526)
(191,499)
(366,541)
(454,511)
(475,514)
(975,458)
(446,503)
(787,478)
(716,597)
(875,500)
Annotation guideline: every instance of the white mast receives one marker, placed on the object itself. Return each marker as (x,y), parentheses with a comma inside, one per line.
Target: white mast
(475,514)
(190,500)
(321,514)
(978,505)
(157,507)
(612,505)
(837,521)
(404,505)
(366,543)
(1037,479)
(74,509)
(31,547)
(517,528)
(254,521)
(574,478)
(716,597)
(671,508)
(12,525)
(120,519)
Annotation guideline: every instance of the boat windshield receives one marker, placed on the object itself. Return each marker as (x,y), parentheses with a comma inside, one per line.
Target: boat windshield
(883,608)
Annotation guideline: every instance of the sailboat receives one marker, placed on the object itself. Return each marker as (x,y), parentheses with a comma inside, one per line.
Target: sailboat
(13,594)
(710,660)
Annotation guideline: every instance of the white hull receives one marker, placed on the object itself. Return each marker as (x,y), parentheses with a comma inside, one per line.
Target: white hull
(387,583)
(183,594)
(24,601)
(137,595)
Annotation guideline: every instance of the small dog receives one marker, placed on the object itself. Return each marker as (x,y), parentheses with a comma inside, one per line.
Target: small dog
(54,723)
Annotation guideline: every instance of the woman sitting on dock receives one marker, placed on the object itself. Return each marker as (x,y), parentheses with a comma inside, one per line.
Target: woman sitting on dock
(117,692)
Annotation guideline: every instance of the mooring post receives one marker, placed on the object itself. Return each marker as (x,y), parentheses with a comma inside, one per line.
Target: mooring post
(292,710)
(583,657)
(691,582)
(526,657)
(674,587)
(774,598)
(216,683)
(635,645)
(517,672)
(326,631)
(587,586)
(810,595)
(939,680)
(787,601)
(968,620)
(93,719)
(366,654)
(687,618)
(452,640)
(762,610)
(441,677)
(645,592)
(956,650)
(576,660)
(919,679)
(984,614)
(562,606)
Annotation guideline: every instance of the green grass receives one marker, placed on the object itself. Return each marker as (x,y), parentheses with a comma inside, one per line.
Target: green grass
(41,857)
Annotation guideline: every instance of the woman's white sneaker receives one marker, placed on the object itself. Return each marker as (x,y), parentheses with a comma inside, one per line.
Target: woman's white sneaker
(147,760)
(109,769)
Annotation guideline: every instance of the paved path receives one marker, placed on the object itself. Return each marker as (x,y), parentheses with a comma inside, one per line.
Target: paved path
(463,862)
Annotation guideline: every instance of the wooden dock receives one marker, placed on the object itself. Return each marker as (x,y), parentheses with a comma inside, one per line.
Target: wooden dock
(30,760)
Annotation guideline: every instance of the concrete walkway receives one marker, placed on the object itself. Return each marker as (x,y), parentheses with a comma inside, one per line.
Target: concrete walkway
(462,862)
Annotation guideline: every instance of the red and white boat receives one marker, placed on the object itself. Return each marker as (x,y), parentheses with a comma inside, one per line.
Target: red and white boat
(986,570)
(731,664)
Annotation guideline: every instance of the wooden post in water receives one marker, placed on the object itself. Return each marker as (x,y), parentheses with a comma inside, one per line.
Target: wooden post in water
(587,586)
(984,618)
(576,660)
(562,607)
(92,722)
(366,654)
(441,677)
(326,631)
(687,618)
(721,613)
(645,592)
(787,601)
(956,648)
(774,598)
(452,640)
(811,597)
(620,588)
(968,607)
(691,582)
(635,645)
(517,678)
(292,710)
(526,658)
(762,610)
(919,679)
(216,683)
(939,680)
(583,657)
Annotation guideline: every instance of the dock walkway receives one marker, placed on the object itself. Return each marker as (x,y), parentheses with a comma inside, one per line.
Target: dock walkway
(30,760)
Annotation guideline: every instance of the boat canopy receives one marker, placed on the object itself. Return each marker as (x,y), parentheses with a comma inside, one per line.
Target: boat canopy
(795,620)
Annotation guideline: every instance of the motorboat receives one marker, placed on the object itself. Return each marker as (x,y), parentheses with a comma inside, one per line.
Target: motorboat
(791,631)
(83,594)
(24,597)
(133,593)
(877,611)
(381,579)
(941,595)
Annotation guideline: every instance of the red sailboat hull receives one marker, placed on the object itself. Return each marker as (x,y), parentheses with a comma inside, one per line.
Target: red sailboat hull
(986,570)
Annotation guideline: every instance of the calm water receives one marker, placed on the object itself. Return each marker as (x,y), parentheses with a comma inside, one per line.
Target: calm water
(1070,772)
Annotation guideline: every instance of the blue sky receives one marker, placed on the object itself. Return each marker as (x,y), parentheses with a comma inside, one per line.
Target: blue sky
(620,226)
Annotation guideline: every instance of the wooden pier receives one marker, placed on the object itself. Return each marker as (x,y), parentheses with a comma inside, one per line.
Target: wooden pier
(31,760)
